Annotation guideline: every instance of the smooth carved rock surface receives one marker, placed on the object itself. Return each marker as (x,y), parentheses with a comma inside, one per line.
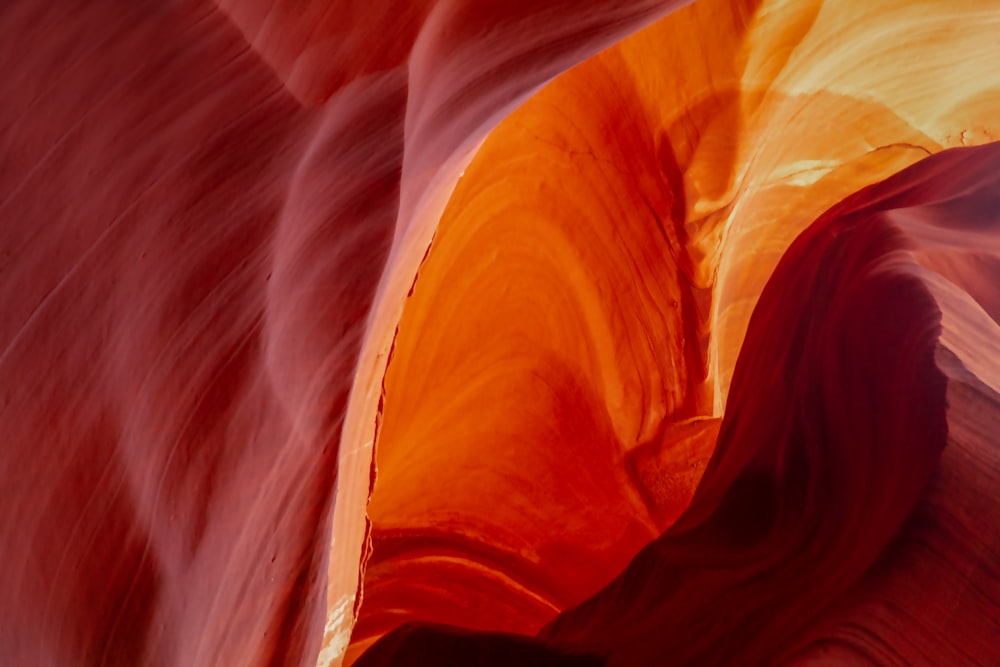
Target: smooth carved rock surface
(847,514)
(499,333)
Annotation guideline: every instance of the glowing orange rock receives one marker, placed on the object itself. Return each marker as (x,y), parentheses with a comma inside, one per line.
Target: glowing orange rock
(566,352)
(213,215)
(806,525)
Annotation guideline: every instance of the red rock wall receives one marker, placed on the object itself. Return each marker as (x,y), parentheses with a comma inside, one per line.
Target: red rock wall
(653,333)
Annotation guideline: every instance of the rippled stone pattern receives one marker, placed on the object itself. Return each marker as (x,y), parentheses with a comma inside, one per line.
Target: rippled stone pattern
(539,332)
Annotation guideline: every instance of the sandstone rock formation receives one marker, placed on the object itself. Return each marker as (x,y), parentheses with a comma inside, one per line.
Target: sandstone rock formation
(529,332)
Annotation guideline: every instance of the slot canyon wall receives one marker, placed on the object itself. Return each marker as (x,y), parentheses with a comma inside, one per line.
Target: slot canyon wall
(536,332)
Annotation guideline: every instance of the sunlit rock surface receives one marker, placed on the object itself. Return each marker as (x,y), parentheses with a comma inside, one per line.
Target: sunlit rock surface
(653,332)
(848,513)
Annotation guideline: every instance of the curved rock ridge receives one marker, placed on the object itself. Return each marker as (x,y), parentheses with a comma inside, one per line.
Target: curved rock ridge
(191,244)
(219,291)
(848,513)
(564,359)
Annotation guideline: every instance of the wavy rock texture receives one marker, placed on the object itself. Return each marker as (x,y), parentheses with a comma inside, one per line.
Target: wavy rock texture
(700,366)
(591,281)
(835,497)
